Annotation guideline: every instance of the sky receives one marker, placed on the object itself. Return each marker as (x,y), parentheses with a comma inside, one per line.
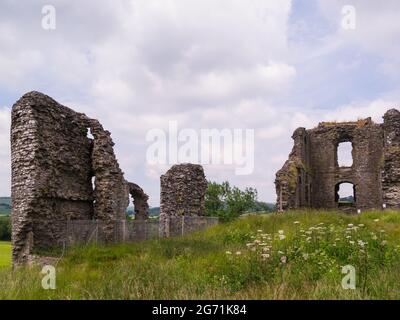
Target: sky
(268,66)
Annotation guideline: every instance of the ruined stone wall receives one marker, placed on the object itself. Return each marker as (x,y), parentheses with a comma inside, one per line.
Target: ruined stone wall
(183,190)
(375,172)
(366,139)
(111,191)
(51,172)
(53,162)
(391,159)
(139,201)
(293,181)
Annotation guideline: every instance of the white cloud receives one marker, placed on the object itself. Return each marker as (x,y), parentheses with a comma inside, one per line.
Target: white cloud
(136,65)
(5,158)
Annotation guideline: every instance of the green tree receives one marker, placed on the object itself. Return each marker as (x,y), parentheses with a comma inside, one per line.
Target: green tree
(5,228)
(227,202)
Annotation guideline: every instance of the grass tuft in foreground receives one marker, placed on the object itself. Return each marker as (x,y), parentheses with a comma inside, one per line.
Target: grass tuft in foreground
(296,255)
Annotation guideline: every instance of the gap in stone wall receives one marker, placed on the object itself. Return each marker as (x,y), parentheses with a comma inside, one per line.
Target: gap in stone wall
(344,154)
(345,194)
(89,134)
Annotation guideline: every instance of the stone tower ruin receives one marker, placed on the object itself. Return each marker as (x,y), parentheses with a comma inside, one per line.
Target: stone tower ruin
(183,190)
(311,177)
(61,173)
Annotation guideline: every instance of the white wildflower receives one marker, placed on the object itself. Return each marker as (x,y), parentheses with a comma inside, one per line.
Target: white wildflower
(265,256)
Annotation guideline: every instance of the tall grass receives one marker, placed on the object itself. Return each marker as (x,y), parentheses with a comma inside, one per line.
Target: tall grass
(296,255)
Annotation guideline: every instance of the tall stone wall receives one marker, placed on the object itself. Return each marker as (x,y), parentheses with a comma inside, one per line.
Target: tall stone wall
(183,190)
(293,181)
(53,164)
(111,191)
(311,176)
(391,159)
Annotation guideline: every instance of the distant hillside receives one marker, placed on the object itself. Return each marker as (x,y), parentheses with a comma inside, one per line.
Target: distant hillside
(5,208)
(5,205)
(349,199)
(152,211)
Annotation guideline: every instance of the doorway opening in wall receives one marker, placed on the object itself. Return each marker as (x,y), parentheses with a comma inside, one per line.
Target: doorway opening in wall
(345,194)
(344,155)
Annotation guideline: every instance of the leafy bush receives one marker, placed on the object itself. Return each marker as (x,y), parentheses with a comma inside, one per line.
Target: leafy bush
(5,228)
(228,202)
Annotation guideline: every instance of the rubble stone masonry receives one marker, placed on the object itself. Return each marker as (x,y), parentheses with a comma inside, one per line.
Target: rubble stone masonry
(311,176)
(60,173)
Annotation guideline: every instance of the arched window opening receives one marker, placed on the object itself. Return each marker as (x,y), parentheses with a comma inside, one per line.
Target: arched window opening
(344,154)
(345,194)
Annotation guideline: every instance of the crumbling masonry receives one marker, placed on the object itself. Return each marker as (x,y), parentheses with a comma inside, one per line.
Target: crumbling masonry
(311,176)
(183,190)
(59,174)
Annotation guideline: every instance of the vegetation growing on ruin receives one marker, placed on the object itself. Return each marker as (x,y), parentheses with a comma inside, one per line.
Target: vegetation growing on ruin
(296,255)
(292,173)
(360,122)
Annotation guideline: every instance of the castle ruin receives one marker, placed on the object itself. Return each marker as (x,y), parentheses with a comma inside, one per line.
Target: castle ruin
(63,168)
(183,189)
(311,177)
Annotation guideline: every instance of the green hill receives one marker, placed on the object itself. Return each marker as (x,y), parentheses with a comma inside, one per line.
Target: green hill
(5,205)
(296,255)
(153,212)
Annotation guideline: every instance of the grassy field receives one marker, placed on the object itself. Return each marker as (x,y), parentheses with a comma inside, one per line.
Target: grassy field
(296,255)
(5,254)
